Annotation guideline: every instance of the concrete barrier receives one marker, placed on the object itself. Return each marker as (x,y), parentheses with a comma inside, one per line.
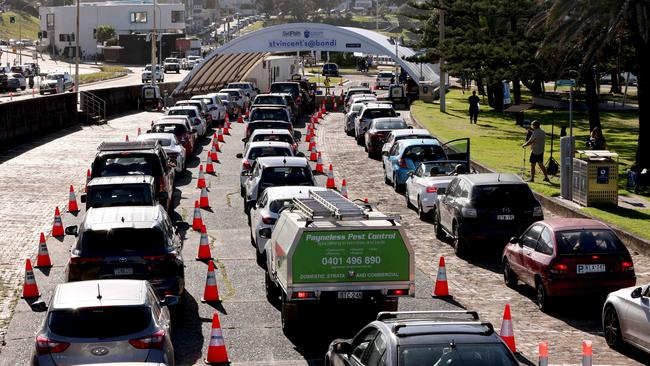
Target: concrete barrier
(125,98)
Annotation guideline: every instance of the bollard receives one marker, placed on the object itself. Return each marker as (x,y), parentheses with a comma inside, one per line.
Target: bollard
(586,353)
(543,354)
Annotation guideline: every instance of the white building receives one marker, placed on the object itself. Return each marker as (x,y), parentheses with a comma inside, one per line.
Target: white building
(58,23)
(243,7)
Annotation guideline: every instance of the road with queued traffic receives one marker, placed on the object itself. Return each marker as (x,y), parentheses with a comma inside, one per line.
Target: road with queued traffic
(36,182)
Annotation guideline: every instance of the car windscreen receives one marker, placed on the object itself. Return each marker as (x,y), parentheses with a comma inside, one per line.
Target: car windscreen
(122,241)
(501,195)
(280,138)
(287,175)
(332,67)
(292,89)
(588,241)
(99,322)
(129,164)
(419,153)
(386,75)
(258,152)
(269,99)
(163,141)
(182,112)
(373,113)
(435,169)
(176,129)
(390,125)
(482,354)
(268,125)
(269,114)
(119,195)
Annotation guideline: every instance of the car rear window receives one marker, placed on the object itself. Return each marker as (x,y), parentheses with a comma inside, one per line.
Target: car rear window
(379,113)
(162,141)
(122,241)
(268,125)
(269,100)
(276,205)
(502,194)
(292,89)
(386,75)
(129,164)
(408,137)
(580,242)
(119,195)
(386,125)
(269,114)
(176,129)
(457,354)
(280,138)
(183,112)
(99,322)
(424,153)
(436,169)
(258,152)
(286,175)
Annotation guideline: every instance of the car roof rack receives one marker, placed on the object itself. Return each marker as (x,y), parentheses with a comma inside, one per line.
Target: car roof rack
(489,328)
(332,206)
(384,315)
(126,146)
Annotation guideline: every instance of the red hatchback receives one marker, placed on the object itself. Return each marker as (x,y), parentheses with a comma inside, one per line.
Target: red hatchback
(564,257)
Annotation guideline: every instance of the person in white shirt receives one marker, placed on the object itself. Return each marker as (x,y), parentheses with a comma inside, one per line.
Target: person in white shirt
(537,142)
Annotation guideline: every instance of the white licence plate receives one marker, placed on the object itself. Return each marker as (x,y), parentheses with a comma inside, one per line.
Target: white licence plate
(350,295)
(590,268)
(505,217)
(123,271)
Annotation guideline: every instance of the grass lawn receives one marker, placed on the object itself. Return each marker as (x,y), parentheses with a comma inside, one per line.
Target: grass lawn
(334,80)
(105,73)
(29,24)
(496,142)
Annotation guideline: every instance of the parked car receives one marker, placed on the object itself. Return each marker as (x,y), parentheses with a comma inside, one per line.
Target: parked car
(353,90)
(396,135)
(175,151)
(423,338)
(429,181)
(568,257)
(359,98)
(231,107)
(194,114)
(265,213)
(215,108)
(256,150)
(293,88)
(273,172)
(479,210)
(16,81)
(377,131)
(134,242)
(125,190)
(158,74)
(171,64)
(237,97)
(280,135)
(182,128)
(53,81)
(104,321)
(137,157)
(384,79)
(246,86)
(368,112)
(330,69)
(205,113)
(269,113)
(625,317)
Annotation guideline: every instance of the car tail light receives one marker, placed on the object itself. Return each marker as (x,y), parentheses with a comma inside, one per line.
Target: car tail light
(559,268)
(246,165)
(627,266)
(432,189)
(154,341)
(398,292)
(268,220)
(402,163)
(160,257)
(45,346)
(83,260)
(304,295)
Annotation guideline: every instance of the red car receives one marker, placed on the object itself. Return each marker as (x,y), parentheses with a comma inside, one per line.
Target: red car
(180,126)
(563,257)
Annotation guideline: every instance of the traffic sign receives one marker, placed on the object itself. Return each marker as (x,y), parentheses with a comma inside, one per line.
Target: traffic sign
(565,82)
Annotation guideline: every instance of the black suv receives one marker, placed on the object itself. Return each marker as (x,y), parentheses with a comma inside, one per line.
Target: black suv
(137,158)
(423,338)
(480,207)
(137,242)
(128,190)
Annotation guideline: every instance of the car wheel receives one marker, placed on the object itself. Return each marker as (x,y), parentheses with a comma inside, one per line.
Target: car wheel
(242,191)
(460,247)
(252,238)
(408,200)
(260,258)
(437,229)
(396,186)
(360,140)
(541,296)
(509,277)
(612,328)
(423,215)
(288,325)
(386,180)
(271,289)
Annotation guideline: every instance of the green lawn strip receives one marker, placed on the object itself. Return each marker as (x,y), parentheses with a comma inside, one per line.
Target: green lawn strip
(496,142)
(334,80)
(106,73)
(29,24)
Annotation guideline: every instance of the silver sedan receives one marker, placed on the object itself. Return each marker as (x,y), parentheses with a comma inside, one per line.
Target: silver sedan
(626,317)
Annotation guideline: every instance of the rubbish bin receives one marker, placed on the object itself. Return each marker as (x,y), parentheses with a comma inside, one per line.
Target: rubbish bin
(595,178)
(426,91)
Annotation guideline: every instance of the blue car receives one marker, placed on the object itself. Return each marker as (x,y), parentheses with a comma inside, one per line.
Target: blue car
(405,156)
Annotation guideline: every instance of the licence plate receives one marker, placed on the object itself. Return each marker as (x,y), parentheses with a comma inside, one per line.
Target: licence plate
(590,268)
(123,271)
(353,295)
(505,217)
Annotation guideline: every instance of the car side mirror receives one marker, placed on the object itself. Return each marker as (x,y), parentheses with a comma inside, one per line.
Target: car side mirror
(239,155)
(636,293)
(515,240)
(163,196)
(82,198)
(342,347)
(181,226)
(169,300)
(72,230)
(265,233)
(38,306)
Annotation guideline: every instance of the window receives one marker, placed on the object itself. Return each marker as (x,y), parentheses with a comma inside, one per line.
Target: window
(66,37)
(463,191)
(50,21)
(545,243)
(139,17)
(377,351)
(178,16)
(361,343)
(530,237)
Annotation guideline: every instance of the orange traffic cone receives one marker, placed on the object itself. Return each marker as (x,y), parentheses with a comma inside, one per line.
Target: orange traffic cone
(216,146)
(200,183)
(344,189)
(30,289)
(226,129)
(211,291)
(43,259)
(543,354)
(319,163)
(197,221)
(308,135)
(440,289)
(204,246)
(323,109)
(213,152)
(220,136)
(507,333)
(240,119)
(217,348)
(57,225)
(330,178)
(314,118)
(587,352)
(314,154)
(226,118)
(72,201)
(87,180)
(203,200)
(312,144)
(126,138)
(209,167)
(334,107)
(319,115)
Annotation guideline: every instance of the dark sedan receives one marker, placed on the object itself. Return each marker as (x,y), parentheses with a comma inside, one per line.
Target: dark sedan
(378,131)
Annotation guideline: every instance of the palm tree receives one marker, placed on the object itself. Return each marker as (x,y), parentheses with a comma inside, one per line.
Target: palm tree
(586,27)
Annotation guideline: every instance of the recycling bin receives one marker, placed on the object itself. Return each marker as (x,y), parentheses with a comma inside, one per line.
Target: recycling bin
(595,178)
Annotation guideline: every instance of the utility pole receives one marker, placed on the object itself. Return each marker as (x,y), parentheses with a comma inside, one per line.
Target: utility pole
(377,14)
(443,78)
(76,53)
(153,47)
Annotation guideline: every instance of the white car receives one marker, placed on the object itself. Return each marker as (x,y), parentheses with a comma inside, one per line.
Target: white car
(266,211)
(429,180)
(626,317)
(265,134)
(52,83)
(352,115)
(193,113)
(236,96)
(359,98)
(171,64)
(172,147)
(193,61)
(216,110)
(367,113)
(384,79)
(158,72)
(256,150)
(246,86)
(396,135)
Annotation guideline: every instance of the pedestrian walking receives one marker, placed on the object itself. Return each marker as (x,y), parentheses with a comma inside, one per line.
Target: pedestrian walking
(536,141)
(473,107)
(596,140)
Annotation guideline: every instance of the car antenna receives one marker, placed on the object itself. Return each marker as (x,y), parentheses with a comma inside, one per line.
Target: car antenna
(499,177)
(99,293)
(122,218)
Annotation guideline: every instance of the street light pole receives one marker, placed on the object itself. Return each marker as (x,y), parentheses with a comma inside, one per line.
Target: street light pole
(441,30)
(76,61)
(153,47)
(376,14)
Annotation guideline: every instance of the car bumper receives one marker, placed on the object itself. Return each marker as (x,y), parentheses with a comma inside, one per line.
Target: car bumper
(402,176)
(428,201)
(496,234)
(577,286)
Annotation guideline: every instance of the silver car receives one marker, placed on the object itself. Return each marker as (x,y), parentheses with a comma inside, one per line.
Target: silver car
(626,317)
(175,151)
(256,150)
(104,321)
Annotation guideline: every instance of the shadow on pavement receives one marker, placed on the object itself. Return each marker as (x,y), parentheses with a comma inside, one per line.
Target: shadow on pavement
(187,331)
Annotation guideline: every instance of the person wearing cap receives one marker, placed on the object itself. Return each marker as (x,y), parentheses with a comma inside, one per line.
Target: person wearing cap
(537,142)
